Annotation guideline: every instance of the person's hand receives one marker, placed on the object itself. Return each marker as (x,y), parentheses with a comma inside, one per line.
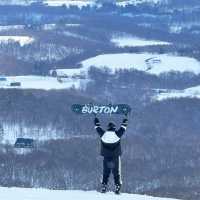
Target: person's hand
(96,120)
(125,121)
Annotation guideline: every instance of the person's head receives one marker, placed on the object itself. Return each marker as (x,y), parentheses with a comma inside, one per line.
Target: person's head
(111,126)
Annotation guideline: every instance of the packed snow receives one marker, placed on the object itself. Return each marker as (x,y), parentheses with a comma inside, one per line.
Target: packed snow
(193,92)
(42,194)
(147,62)
(129,41)
(41,82)
(22,40)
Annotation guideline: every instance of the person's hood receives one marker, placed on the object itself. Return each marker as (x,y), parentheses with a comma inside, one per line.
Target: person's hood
(111,126)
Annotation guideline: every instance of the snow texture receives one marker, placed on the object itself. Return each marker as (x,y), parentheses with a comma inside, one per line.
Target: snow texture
(22,40)
(41,82)
(11,27)
(41,194)
(135,2)
(12,131)
(78,3)
(17,2)
(70,72)
(129,41)
(147,62)
(83,3)
(193,92)
(48,27)
(69,3)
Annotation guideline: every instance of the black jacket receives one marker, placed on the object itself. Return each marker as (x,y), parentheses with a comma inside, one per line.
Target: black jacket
(110,139)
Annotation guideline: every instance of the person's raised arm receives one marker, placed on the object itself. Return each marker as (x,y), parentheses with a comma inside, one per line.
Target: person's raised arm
(122,128)
(98,128)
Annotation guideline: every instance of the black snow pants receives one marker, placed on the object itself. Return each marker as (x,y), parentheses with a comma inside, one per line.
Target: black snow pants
(112,164)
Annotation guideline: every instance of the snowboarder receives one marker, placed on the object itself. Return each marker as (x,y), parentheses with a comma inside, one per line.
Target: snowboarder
(111,152)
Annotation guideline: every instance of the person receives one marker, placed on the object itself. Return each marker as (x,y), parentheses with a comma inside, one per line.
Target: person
(111,152)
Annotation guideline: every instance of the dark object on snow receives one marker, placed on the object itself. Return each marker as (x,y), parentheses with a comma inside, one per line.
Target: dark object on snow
(112,165)
(54,73)
(111,151)
(117,189)
(110,139)
(111,126)
(3,79)
(24,143)
(14,84)
(103,188)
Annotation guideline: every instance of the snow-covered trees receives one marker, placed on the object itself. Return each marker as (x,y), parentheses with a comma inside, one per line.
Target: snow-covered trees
(1,133)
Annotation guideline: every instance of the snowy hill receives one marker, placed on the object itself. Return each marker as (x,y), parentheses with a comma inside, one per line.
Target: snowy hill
(17,2)
(41,82)
(22,40)
(82,3)
(78,3)
(193,92)
(39,194)
(67,3)
(150,63)
(129,41)
(135,2)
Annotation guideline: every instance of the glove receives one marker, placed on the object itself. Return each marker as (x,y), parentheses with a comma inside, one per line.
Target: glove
(96,120)
(125,121)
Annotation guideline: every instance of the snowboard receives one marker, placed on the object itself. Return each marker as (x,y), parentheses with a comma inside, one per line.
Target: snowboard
(122,109)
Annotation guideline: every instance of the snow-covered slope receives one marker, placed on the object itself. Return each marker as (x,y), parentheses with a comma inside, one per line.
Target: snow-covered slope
(40,194)
(78,3)
(82,3)
(11,27)
(129,41)
(41,82)
(67,3)
(22,40)
(135,2)
(150,63)
(193,92)
(17,2)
